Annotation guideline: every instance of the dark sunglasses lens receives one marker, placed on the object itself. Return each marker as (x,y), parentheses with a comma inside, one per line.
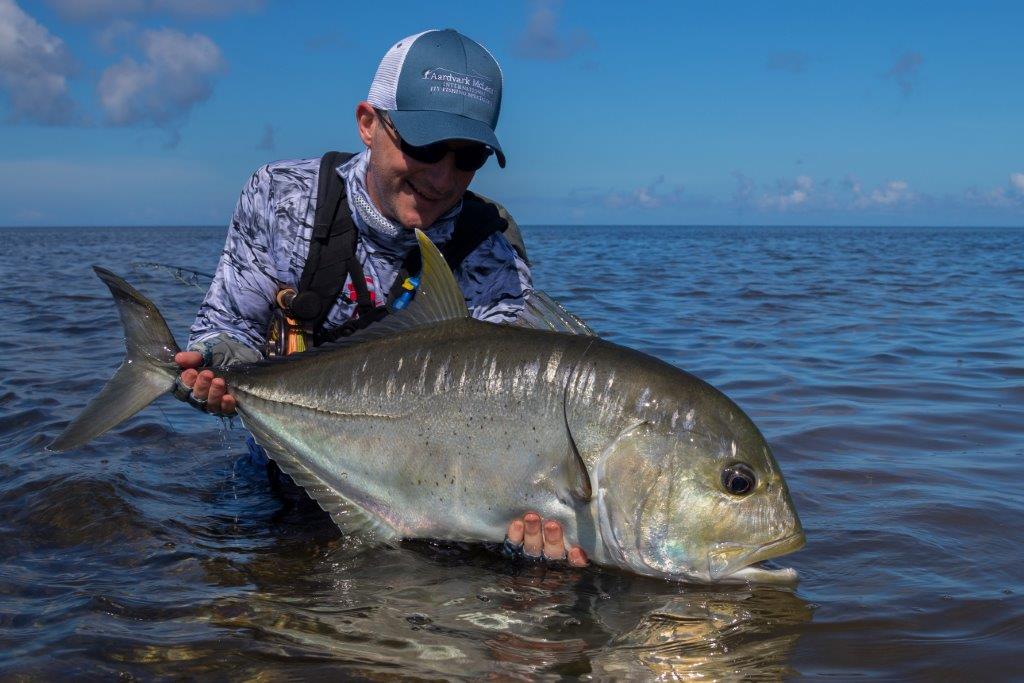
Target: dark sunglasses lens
(471,158)
(427,154)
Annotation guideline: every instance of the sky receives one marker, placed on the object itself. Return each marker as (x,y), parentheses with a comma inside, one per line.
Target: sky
(155,112)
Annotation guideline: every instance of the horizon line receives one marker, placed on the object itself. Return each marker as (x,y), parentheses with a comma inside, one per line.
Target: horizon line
(565,225)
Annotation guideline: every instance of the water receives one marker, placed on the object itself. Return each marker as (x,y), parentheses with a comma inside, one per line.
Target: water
(886,367)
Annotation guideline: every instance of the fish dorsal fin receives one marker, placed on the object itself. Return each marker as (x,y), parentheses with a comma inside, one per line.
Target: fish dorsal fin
(542,312)
(438,298)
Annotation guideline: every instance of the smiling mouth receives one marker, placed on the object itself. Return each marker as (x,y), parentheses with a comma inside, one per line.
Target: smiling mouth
(419,193)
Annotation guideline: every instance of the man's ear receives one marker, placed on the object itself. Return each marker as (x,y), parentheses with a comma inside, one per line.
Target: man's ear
(366,121)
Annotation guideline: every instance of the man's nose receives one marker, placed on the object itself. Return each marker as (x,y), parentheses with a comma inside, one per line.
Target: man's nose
(442,174)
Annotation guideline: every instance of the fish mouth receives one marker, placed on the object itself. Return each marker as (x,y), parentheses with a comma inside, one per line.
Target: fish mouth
(739,563)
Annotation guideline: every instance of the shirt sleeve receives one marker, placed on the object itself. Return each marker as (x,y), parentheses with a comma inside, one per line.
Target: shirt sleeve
(495,281)
(239,303)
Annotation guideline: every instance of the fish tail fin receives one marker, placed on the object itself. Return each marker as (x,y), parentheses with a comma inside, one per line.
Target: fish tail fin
(148,369)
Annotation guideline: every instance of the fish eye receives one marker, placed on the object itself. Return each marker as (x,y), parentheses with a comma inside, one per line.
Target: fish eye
(738,479)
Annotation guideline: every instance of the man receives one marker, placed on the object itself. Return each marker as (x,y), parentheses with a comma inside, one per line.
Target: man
(428,126)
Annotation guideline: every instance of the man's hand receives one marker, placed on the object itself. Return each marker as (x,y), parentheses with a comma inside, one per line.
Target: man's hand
(204,386)
(536,538)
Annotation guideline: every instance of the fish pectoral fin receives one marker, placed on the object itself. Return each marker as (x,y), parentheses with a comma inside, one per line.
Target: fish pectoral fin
(577,477)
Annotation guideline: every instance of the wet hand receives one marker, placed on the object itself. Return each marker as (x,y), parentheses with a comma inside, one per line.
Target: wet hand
(204,385)
(537,538)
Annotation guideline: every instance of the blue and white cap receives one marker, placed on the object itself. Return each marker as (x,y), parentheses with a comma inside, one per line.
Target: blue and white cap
(440,85)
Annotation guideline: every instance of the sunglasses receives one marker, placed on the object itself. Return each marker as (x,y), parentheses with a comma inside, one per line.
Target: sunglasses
(467,158)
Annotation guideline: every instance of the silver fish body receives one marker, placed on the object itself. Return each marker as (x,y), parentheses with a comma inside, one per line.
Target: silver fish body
(451,428)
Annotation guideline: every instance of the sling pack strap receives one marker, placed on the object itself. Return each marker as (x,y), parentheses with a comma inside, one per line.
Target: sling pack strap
(332,253)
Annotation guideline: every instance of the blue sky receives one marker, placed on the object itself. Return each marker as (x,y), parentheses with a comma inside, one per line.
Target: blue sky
(143,112)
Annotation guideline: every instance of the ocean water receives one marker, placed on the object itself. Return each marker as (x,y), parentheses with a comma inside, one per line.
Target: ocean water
(885,366)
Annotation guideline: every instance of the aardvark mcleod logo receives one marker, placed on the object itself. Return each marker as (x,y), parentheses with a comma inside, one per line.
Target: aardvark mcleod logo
(455,83)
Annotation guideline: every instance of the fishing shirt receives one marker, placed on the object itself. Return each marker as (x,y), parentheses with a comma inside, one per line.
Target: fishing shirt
(268,242)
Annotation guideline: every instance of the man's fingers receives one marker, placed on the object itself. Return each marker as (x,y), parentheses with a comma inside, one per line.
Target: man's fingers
(202,386)
(533,538)
(208,393)
(188,359)
(219,400)
(188,378)
(516,531)
(217,390)
(577,558)
(554,544)
(227,404)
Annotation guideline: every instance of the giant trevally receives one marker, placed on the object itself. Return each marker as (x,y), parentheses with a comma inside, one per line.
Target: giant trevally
(430,424)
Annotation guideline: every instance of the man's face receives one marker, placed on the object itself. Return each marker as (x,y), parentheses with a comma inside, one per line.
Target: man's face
(407,191)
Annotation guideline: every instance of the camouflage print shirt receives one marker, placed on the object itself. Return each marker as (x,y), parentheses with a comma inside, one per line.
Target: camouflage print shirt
(268,241)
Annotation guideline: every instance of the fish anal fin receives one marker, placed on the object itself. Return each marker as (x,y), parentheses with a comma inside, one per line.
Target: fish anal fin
(351,518)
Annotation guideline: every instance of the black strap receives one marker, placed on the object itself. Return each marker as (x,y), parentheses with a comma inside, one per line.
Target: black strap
(332,254)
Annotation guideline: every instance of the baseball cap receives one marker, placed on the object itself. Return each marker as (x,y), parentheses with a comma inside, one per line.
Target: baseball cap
(440,85)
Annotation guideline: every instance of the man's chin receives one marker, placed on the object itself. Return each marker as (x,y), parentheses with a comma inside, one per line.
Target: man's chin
(412,218)
(414,222)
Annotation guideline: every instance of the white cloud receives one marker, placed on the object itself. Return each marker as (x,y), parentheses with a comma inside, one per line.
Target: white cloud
(177,73)
(1004,196)
(892,193)
(34,68)
(650,196)
(788,195)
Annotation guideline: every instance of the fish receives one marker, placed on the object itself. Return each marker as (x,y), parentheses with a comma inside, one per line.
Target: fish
(430,424)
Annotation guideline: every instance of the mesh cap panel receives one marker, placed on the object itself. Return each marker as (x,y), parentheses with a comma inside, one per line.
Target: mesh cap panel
(384,89)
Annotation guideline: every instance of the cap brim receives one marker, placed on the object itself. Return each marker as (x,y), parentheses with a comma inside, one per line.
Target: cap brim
(420,128)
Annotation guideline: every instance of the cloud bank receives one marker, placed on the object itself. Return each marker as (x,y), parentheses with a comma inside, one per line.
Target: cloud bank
(654,195)
(34,68)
